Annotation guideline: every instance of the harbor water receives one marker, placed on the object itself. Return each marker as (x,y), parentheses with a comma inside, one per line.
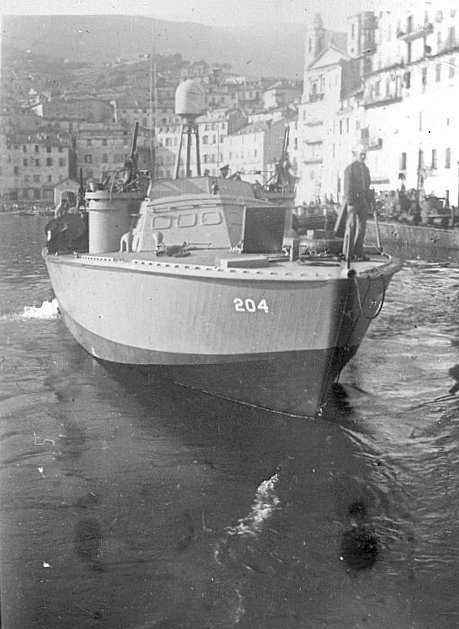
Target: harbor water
(136,504)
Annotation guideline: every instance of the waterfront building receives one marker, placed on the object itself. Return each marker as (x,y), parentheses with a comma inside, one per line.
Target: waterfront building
(392,87)
(317,111)
(220,97)
(66,186)
(410,98)
(128,111)
(248,91)
(86,108)
(101,149)
(30,165)
(255,149)
(281,94)
(213,128)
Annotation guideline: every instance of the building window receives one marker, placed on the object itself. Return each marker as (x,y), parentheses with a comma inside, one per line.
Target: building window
(434,159)
(24,148)
(60,149)
(424,77)
(61,162)
(407,80)
(36,178)
(48,149)
(448,158)
(421,159)
(50,179)
(88,159)
(205,139)
(403,161)
(16,170)
(451,68)
(37,148)
(37,162)
(438,72)
(49,161)
(451,36)
(341,127)
(24,162)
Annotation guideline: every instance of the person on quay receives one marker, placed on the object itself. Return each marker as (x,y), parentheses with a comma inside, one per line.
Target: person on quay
(62,208)
(357,200)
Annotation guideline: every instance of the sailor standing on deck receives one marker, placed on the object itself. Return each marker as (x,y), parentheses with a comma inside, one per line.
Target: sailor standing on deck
(357,200)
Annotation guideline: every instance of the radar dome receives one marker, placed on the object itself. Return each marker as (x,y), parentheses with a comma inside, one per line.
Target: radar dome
(189,99)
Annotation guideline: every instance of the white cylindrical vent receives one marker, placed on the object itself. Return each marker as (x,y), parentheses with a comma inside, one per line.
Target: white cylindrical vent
(110,216)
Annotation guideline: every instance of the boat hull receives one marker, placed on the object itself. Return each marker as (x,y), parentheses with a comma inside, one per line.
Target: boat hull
(412,240)
(295,383)
(281,350)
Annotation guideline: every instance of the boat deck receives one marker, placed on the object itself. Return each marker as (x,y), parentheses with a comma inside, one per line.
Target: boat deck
(208,262)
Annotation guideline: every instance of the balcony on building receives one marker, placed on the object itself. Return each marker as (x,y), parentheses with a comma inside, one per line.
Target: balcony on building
(375,144)
(309,161)
(383,98)
(315,98)
(417,32)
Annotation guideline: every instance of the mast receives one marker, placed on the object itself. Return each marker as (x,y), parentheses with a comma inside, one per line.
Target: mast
(153,104)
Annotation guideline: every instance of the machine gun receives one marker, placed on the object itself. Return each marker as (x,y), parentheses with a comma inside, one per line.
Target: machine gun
(283,180)
(130,176)
(81,202)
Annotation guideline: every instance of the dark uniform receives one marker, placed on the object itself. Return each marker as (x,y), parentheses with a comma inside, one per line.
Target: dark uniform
(357,199)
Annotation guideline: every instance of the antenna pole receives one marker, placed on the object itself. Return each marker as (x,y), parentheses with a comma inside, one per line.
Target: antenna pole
(179,152)
(188,149)
(198,156)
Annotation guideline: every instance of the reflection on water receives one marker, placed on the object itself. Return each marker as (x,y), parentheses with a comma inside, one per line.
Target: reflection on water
(128,501)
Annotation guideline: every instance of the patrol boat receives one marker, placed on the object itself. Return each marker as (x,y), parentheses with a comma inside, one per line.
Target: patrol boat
(196,282)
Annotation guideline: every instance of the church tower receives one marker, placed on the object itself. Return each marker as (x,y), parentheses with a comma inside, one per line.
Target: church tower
(315,40)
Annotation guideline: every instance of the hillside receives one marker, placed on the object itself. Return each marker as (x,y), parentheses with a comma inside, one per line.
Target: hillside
(274,50)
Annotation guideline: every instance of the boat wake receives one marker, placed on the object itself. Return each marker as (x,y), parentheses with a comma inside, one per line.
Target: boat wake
(47,310)
(264,504)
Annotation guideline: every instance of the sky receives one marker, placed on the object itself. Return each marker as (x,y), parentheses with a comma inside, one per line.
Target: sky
(213,12)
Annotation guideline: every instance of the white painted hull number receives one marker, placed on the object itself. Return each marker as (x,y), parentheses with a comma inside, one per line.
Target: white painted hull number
(250,305)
